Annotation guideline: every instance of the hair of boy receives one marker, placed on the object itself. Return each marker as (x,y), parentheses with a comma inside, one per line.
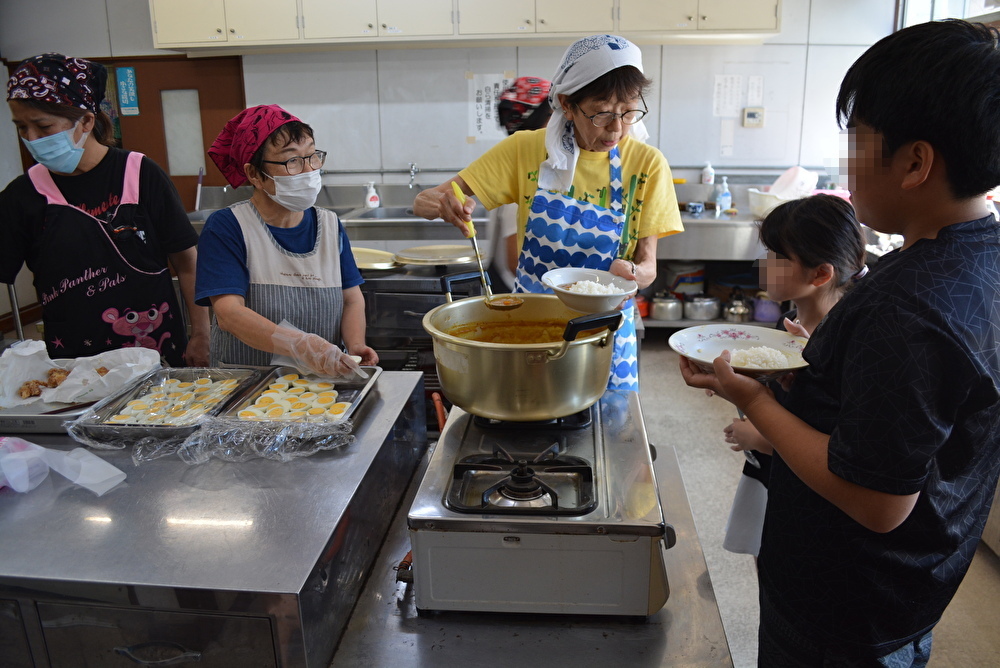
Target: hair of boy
(817,230)
(938,82)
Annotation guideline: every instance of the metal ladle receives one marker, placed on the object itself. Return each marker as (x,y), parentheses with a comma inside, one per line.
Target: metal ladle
(505,302)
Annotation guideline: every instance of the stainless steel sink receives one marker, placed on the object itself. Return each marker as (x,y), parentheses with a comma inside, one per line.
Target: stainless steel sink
(400,214)
(382,213)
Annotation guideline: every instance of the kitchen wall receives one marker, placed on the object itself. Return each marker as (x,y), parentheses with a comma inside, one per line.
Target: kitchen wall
(375,111)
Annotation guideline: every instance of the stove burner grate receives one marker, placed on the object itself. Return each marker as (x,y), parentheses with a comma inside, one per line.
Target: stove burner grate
(499,483)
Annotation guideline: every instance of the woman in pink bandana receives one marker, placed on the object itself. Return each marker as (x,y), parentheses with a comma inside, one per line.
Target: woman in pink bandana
(99,227)
(277,270)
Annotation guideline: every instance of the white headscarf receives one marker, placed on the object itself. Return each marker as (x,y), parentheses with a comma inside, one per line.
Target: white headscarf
(584,61)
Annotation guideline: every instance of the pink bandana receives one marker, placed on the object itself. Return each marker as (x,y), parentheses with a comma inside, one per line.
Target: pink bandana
(243,135)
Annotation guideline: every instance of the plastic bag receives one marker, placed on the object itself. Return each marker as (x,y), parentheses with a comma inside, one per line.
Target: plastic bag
(24,465)
(234,440)
(28,360)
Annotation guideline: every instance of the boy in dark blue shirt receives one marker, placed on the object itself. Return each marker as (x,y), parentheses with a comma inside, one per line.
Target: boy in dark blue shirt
(888,444)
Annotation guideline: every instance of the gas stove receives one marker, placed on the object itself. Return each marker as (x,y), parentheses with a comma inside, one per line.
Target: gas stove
(561,516)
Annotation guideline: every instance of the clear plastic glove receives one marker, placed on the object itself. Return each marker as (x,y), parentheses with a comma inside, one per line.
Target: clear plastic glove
(314,353)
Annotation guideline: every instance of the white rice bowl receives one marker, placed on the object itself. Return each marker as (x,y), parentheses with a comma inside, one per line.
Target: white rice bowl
(754,351)
(589,290)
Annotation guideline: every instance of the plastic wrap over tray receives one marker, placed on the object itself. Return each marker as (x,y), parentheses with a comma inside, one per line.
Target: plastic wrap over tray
(285,416)
(162,408)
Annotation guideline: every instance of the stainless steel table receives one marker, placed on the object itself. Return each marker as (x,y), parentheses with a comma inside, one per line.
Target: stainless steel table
(386,629)
(251,564)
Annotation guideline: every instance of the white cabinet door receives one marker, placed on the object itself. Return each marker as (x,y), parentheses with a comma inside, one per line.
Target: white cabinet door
(663,15)
(209,22)
(476,17)
(325,19)
(188,21)
(676,15)
(262,21)
(407,17)
(738,15)
(586,16)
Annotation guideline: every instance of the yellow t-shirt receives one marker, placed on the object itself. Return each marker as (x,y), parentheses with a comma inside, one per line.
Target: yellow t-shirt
(508,173)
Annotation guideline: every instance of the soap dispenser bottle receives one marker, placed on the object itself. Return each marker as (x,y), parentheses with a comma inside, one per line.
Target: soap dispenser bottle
(708,174)
(724,200)
(371,197)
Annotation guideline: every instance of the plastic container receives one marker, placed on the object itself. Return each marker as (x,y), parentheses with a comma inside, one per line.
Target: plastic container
(725,198)
(762,202)
(685,277)
(708,174)
(371,197)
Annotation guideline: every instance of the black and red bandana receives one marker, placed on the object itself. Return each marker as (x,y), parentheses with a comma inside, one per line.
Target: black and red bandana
(52,77)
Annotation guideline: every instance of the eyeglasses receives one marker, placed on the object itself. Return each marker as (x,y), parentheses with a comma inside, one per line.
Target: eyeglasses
(295,165)
(630,117)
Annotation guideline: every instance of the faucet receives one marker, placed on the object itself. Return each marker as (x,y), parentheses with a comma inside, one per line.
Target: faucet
(413,172)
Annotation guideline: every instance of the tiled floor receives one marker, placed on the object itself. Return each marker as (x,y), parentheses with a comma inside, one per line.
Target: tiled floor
(966,636)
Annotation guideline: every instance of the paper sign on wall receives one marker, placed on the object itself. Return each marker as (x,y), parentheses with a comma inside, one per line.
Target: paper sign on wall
(727,96)
(128,92)
(484,91)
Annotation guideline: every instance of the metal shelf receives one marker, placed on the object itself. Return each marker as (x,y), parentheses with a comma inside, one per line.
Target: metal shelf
(649,323)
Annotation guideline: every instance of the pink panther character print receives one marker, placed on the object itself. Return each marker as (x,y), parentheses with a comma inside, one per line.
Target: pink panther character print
(138,324)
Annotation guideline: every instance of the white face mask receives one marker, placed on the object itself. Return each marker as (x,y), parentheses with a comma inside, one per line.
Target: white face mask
(297,192)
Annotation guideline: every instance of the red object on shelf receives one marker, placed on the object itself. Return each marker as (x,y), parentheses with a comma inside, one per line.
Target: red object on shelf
(642,306)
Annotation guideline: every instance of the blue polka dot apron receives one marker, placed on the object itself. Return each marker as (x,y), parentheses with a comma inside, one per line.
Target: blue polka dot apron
(565,232)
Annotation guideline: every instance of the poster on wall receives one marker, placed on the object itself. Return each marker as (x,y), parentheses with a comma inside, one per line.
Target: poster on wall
(128,93)
(484,91)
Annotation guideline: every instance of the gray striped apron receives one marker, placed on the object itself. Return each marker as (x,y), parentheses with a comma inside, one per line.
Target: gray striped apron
(303,288)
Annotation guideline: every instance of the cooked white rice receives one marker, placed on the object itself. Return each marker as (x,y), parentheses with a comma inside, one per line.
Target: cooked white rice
(592,288)
(759,357)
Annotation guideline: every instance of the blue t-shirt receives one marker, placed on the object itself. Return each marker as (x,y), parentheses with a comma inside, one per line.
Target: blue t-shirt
(222,254)
(904,375)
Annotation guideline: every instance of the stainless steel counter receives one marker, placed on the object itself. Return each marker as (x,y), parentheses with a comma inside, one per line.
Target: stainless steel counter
(710,238)
(283,547)
(386,629)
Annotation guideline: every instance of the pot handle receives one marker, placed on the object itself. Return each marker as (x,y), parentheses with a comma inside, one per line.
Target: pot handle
(610,319)
(448,279)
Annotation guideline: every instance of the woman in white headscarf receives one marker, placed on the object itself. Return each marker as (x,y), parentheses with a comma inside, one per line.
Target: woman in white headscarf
(590,192)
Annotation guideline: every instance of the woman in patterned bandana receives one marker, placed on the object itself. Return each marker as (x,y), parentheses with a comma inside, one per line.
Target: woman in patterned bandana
(589,192)
(99,227)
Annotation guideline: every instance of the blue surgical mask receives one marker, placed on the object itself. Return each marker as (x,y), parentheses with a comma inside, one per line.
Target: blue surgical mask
(58,152)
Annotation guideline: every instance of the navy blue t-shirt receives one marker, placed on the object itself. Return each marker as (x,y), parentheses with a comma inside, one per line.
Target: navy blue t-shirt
(904,375)
(222,254)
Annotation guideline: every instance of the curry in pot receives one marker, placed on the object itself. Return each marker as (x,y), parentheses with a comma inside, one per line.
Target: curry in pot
(513,332)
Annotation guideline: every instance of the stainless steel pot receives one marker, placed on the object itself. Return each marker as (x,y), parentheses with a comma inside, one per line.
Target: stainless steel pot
(667,308)
(701,307)
(521,382)
(738,308)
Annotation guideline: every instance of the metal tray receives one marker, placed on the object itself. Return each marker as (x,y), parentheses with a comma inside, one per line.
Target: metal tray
(370,258)
(353,390)
(95,426)
(40,417)
(437,255)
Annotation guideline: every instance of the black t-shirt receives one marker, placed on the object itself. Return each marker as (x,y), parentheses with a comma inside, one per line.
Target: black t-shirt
(762,473)
(160,214)
(904,375)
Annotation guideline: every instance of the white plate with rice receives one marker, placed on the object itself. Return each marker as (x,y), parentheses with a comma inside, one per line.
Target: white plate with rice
(589,290)
(760,352)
